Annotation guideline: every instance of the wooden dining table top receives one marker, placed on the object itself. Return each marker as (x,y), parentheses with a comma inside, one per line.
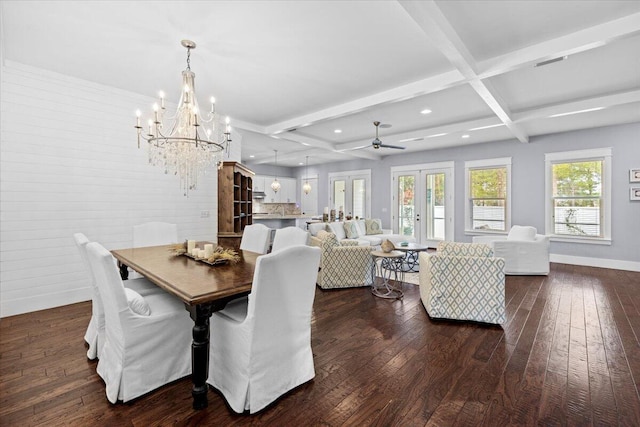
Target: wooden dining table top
(192,281)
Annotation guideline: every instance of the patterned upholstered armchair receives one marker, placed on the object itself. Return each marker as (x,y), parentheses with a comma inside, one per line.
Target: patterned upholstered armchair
(345,265)
(463,281)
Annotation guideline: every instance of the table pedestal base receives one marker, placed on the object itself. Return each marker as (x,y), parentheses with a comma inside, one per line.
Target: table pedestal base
(392,274)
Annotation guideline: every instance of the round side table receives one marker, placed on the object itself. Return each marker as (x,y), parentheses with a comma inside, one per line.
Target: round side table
(388,265)
(412,250)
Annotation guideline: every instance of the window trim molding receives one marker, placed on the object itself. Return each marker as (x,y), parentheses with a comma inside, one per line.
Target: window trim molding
(604,154)
(486,164)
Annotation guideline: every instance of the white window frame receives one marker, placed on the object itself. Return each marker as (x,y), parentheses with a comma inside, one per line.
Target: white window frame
(603,154)
(501,162)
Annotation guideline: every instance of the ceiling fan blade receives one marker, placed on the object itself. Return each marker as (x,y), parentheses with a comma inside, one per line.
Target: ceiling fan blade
(397,147)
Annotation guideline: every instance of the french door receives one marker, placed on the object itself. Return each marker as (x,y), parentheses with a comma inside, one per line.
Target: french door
(422,198)
(351,192)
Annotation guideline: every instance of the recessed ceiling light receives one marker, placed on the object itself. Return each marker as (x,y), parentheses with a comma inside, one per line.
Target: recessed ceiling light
(435,135)
(337,131)
(577,112)
(251,156)
(488,127)
(465,136)
(301,163)
(425,111)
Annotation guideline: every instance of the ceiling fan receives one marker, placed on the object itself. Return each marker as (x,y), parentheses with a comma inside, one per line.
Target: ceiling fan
(377,143)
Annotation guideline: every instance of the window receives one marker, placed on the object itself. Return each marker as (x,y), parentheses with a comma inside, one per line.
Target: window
(578,195)
(488,190)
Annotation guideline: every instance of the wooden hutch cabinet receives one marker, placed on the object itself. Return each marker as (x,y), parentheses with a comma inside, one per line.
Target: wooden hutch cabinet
(235,203)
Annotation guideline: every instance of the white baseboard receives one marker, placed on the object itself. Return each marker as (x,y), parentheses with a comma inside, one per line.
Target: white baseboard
(42,302)
(596,262)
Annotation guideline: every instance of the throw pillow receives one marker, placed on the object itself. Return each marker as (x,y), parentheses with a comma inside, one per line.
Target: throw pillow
(373,226)
(136,302)
(361,227)
(338,229)
(351,229)
(315,227)
(519,232)
(328,239)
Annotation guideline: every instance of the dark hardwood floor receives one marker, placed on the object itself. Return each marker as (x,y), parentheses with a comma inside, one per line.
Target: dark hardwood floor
(569,354)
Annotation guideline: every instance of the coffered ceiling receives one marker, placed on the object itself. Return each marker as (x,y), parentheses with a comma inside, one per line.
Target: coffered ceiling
(289,73)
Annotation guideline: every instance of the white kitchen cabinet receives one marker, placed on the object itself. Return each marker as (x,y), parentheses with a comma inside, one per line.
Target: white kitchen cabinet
(288,190)
(258,183)
(286,194)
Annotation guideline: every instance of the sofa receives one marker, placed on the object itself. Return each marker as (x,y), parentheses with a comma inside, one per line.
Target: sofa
(342,265)
(463,281)
(524,251)
(363,232)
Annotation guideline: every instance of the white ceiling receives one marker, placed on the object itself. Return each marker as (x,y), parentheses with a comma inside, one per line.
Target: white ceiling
(291,72)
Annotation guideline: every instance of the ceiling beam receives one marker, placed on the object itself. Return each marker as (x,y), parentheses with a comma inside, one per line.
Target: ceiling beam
(443,36)
(580,41)
(408,91)
(605,101)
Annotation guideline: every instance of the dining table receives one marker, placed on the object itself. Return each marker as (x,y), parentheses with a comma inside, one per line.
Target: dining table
(203,288)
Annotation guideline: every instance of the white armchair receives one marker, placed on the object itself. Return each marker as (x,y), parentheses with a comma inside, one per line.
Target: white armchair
(524,251)
(463,281)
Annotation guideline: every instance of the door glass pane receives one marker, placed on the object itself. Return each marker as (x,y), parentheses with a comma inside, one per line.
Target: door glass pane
(359,196)
(406,204)
(435,206)
(338,194)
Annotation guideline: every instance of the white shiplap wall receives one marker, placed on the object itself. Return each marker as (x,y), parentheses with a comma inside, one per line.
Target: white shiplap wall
(70,163)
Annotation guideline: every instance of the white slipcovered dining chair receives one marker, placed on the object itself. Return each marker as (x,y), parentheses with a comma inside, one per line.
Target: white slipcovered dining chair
(94,336)
(289,236)
(262,349)
(154,234)
(255,238)
(147,340)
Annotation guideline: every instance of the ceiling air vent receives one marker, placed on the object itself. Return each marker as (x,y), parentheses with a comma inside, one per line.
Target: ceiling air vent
(551,61)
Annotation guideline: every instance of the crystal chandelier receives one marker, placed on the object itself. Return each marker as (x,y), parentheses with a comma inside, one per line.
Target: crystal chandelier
(306,187)
(275,185)
(190,142)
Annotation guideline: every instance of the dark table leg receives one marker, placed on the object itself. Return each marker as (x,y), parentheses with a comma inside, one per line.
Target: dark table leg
(124,271)
(200,314)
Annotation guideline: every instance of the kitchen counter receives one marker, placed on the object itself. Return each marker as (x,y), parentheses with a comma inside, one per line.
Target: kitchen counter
(278,216)
(276,221)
